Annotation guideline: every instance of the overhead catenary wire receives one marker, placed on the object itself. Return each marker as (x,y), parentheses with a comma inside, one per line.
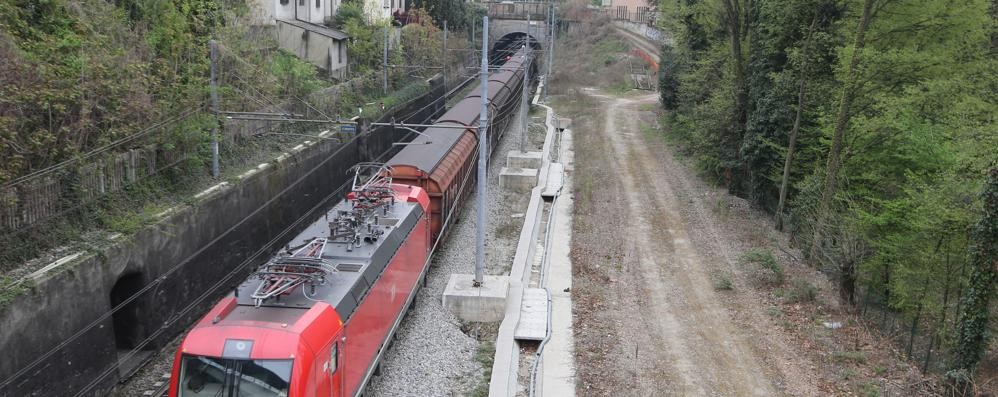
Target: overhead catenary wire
(159,280)
(169,272)
(184,113)
(229,275)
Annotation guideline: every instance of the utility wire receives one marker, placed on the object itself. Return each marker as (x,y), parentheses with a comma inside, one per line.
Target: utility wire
(159,280)
(169,272)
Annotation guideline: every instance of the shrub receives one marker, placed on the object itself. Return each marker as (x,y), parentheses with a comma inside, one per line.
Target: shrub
(849,356)
(770,271)
(347,12)
(801,291)
(721,282)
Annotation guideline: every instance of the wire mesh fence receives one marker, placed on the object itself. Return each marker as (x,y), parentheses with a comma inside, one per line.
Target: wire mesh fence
(643,15)
(55,191)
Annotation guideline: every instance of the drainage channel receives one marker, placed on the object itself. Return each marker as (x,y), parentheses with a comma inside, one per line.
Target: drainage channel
(529,350)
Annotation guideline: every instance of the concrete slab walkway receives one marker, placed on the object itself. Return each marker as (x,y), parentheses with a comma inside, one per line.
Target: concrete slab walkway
(557,367)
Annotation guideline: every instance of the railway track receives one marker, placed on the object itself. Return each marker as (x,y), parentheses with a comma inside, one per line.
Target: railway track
(641,42)
(160,389)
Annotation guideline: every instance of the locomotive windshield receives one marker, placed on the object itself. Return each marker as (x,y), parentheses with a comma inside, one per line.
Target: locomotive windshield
(213,377)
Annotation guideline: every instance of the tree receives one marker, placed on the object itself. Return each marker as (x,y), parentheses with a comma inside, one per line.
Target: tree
(972,337)
(668,77)
(792,145)
(734,20)
(458,14)
(849,92)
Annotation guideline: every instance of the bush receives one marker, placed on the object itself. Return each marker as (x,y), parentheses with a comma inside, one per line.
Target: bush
(348,12)
(851,356)
(299,78)
(771,273)
(721,282)
(801,291)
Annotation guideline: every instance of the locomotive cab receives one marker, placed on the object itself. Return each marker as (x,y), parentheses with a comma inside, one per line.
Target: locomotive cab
(215,376)
(229,354)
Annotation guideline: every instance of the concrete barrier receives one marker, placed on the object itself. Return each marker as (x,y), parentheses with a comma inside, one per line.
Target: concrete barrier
(506,363)
(518,159)
(519,180)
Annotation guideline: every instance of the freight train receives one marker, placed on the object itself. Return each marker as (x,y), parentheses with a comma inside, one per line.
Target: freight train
(316,319)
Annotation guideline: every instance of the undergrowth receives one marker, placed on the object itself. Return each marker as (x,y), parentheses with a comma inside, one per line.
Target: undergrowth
(770,272)
(485,355)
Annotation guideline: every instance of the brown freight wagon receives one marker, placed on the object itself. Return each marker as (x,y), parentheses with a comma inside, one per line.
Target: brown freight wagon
(443,158)
(442,162)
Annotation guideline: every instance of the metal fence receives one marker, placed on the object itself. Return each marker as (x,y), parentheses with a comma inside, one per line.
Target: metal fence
(52,192)
(643,15)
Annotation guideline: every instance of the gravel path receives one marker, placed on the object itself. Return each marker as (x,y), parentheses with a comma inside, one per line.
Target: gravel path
(657,316)
(433,356)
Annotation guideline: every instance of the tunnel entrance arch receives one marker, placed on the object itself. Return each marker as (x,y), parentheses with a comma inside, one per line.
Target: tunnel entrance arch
(509,44)
(128,322)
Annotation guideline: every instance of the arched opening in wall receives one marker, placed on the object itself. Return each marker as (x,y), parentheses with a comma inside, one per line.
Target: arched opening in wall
(509,44)
(128,323)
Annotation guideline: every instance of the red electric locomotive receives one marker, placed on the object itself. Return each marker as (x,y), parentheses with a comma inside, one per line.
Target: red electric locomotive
(285,331)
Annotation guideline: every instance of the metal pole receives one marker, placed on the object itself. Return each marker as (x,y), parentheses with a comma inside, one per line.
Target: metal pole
(547,77)
(483,146)
(384,64)
(526,91)
(444,57)
(213,49)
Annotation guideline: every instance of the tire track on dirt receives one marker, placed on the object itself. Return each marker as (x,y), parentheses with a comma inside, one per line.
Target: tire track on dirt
(690,332)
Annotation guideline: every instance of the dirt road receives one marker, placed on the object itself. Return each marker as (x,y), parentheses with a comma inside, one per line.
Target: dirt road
(663,326)
(679,318)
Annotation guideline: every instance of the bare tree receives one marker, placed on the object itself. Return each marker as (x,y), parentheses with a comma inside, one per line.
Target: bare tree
(792,146)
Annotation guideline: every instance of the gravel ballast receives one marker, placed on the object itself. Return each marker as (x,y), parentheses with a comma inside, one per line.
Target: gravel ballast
(432,355)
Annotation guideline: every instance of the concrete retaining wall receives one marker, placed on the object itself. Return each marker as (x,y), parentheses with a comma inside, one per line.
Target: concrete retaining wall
(180,266)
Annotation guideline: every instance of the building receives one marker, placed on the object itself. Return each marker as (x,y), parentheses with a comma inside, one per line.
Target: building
(300,28)
(312,11)
(380,10)
(324,47)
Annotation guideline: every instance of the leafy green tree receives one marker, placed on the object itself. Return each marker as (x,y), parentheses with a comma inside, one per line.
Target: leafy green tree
(347,12)
(972,338)
(365,46)
(668,80)
(421,42)
(849,92)
(459,14)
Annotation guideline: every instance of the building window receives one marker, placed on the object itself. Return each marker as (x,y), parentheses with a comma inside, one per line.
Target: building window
(284,2)
(301,2)
(317,3)
(339,52)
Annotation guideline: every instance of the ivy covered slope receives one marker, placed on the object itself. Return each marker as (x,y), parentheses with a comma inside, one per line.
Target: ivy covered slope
(75,75)
(866,126)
